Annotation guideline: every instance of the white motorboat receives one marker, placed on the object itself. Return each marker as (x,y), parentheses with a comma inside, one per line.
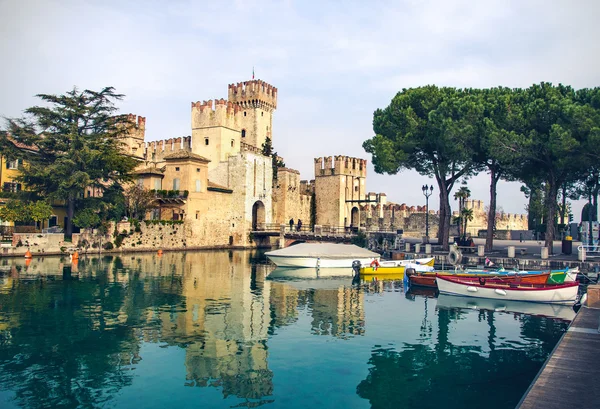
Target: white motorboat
(321,255)
(563,312)
(548,293)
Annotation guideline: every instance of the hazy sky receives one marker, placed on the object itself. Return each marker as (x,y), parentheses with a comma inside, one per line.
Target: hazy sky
(334,63)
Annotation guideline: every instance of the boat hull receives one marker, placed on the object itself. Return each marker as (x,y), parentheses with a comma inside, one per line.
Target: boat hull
(316,262)
(427,279)
(555,294)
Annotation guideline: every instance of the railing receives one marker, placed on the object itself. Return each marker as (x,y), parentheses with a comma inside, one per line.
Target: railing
(588,251)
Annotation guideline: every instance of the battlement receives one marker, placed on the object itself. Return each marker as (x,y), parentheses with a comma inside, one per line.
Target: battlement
(340,165)
(219,112)
(157,150)
(255,93)
(474,204)
(307,187)
(138,121)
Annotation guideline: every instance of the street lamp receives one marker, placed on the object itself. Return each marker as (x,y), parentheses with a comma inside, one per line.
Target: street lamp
(427,191)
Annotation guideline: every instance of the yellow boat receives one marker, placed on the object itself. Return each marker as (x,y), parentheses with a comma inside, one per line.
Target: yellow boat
(395,267)
(382,277)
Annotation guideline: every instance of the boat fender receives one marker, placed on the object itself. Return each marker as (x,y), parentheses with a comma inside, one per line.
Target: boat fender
(454,256)
(472,289)
(481,280)
(410,271)
(499,291)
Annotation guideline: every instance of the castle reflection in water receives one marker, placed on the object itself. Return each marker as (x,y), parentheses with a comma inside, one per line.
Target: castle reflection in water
(219,306)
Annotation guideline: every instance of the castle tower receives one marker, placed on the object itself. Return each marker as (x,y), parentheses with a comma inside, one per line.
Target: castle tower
(339,184)
(133,140)
(215,130)
(257,101)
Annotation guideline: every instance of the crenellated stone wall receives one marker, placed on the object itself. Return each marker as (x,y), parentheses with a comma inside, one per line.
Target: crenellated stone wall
(292,197)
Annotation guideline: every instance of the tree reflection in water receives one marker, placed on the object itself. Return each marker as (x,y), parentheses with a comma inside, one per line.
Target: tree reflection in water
(459,376)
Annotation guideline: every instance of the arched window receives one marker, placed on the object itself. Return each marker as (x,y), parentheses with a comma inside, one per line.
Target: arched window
(243,133)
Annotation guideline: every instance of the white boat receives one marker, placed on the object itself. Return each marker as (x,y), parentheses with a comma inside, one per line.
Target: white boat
(557,294)
(321,255)
(563,312)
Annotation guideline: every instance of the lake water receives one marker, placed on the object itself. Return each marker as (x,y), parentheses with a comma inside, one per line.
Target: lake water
(212,330)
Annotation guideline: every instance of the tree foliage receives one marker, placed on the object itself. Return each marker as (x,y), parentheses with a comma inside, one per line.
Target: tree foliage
(431,130)
(138,201)
(73,143)
(276,161)
(547,137)
(21,211)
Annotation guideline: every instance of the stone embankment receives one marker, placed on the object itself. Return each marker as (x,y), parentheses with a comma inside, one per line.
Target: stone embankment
(124,237)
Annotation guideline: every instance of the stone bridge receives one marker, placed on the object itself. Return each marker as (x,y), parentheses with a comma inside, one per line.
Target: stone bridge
(376,240)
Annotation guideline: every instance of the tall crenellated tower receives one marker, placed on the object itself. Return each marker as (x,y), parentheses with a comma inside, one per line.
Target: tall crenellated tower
(338,182)
(215,130)
(257,101)
(133,141)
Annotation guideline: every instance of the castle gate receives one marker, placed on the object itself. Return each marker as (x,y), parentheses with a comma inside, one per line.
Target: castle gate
(258,216)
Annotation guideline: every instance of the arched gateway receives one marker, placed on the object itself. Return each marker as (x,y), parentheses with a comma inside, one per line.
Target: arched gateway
(258,216)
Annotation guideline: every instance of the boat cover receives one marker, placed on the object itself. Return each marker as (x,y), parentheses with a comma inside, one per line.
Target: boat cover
(324,250)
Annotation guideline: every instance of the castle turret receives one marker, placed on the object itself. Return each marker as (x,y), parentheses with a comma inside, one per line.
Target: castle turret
(215,130)
(339,188)
(133,140)
(257,101)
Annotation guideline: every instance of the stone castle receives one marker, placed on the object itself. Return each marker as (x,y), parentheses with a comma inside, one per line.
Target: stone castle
(226,187)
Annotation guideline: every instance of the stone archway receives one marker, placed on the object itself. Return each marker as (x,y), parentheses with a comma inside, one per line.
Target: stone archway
(258,216)
(355,217)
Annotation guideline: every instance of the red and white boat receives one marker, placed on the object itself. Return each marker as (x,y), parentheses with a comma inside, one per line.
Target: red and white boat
(548,293)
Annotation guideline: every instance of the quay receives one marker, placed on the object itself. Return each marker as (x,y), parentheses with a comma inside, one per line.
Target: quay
(569,377)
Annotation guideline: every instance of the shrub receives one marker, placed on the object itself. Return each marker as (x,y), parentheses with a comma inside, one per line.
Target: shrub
(108,246)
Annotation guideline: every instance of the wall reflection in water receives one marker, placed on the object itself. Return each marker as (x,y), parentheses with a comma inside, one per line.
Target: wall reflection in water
(70,334)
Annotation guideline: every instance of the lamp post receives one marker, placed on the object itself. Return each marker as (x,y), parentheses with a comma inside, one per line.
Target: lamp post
(427,191)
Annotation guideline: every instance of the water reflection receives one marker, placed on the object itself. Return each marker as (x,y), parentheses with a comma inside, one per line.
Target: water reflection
(466,372)
(336,307)
(77,336)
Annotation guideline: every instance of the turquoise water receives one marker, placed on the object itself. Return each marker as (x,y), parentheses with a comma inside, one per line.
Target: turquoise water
(211,330)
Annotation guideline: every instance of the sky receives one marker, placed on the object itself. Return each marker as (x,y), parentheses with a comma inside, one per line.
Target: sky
(334,63)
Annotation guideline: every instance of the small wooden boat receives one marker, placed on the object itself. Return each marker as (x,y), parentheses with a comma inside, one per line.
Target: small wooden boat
(397,266)
(427,279)
(548,293)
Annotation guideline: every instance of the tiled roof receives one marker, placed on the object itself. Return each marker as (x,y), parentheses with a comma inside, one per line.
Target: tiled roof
(183,154)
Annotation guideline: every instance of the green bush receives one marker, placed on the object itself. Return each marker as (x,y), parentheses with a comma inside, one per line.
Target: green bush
(108,246)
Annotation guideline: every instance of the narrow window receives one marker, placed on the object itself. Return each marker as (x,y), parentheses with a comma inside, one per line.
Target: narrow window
(198,185)
(176,184)
(262,114)
(197,214)
(232,143)
(156,184)
(206,141)
(243,133)
(244,113)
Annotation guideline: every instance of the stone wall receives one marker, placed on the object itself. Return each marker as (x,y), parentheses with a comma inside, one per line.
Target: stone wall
(292,198)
